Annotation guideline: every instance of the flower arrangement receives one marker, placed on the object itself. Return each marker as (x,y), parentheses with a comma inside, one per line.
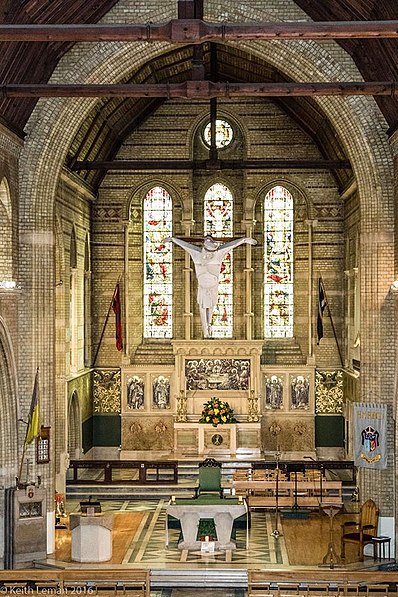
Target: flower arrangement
(216,412)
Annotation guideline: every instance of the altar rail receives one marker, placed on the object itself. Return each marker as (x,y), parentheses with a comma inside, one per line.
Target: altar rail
(337,583)
(132,583)
(126,472)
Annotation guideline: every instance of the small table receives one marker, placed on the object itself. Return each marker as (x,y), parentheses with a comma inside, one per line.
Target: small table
(379,547)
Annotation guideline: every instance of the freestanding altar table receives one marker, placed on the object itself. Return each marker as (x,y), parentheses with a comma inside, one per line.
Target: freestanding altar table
(190,511)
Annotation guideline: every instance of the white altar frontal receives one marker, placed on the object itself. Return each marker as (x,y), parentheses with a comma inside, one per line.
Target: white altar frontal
(223,440)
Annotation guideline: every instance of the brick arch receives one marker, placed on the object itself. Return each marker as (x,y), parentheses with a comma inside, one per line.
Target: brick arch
(357,121)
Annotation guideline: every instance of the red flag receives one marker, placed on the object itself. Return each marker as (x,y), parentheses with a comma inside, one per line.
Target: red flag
(118,317)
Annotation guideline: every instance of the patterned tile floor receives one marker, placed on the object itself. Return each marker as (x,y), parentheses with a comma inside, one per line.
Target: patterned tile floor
(148,549)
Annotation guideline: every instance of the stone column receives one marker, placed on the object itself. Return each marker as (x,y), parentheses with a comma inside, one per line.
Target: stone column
(126,302)
(187,226)
(248,226)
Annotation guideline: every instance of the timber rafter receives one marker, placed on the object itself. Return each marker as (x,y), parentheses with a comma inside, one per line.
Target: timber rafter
(203,90)
(196,31)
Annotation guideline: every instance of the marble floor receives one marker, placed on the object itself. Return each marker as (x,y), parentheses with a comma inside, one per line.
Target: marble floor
(139,541)
(147,547)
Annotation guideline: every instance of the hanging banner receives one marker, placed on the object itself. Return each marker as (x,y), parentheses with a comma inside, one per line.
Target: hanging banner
(370,431)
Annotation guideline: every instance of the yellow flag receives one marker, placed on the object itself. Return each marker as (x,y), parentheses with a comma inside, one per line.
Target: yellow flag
(33,429)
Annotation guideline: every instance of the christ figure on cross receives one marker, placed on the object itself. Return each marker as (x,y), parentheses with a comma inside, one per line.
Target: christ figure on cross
(208,259)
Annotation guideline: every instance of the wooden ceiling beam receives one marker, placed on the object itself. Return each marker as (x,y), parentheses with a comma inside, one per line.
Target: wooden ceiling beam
(203,90)
(195,31)
(269,164)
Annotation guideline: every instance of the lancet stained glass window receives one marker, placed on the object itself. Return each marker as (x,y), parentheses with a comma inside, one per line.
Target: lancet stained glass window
(218,221)
(224,134)
(278,266)
(158,260)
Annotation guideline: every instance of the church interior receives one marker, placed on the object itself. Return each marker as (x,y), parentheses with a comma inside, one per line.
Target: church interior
(198,295)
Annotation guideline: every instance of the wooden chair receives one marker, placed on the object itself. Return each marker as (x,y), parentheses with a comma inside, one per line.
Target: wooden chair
(360,533)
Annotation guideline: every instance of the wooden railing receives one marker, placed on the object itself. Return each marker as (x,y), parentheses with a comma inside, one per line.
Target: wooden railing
(339,583)
(121,472)
(77,582)
(310,494)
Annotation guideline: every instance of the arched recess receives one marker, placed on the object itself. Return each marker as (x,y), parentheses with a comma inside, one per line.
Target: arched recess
(6,269)
(74,428)
(357,121)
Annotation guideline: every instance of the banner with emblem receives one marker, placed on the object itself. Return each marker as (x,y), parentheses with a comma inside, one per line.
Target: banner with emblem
(370,431)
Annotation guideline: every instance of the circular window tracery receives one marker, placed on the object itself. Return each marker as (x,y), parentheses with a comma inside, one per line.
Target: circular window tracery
(224,134)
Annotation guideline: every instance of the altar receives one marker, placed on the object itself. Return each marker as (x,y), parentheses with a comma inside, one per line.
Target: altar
(223,440)
(223,511)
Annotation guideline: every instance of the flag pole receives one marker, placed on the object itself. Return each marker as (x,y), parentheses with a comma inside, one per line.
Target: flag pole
(27,428)
(332,323)
(106,322)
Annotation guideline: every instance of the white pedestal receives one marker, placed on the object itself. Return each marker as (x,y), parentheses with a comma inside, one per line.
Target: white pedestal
(91,537)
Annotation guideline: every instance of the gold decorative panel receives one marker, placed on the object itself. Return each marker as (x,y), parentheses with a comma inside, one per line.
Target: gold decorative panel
(329,392)
(107,391)
(293,434)
(147,433)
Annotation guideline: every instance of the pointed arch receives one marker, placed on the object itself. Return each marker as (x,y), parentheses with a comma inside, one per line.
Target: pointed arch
(278,263)
(6,272)
(74,427)
(158,264)
(218,207)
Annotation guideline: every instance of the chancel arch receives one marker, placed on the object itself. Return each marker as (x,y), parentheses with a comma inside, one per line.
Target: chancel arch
(358,124)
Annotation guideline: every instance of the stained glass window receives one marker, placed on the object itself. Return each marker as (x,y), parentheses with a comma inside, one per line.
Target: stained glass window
(218,221)
(224,134)
(158,221)
(278,267)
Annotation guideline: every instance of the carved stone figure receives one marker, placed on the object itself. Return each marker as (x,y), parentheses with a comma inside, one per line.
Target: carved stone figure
(135,392)
(161,392)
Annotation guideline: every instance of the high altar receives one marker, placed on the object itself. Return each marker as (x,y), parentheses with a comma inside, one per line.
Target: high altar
(161,405)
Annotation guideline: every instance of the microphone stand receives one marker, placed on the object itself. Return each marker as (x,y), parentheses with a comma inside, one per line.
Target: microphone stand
(276,533)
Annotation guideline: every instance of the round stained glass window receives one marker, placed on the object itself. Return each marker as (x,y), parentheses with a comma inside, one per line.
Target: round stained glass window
(224,134)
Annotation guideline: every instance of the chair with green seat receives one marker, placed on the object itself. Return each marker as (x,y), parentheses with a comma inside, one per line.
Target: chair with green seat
(209,478)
